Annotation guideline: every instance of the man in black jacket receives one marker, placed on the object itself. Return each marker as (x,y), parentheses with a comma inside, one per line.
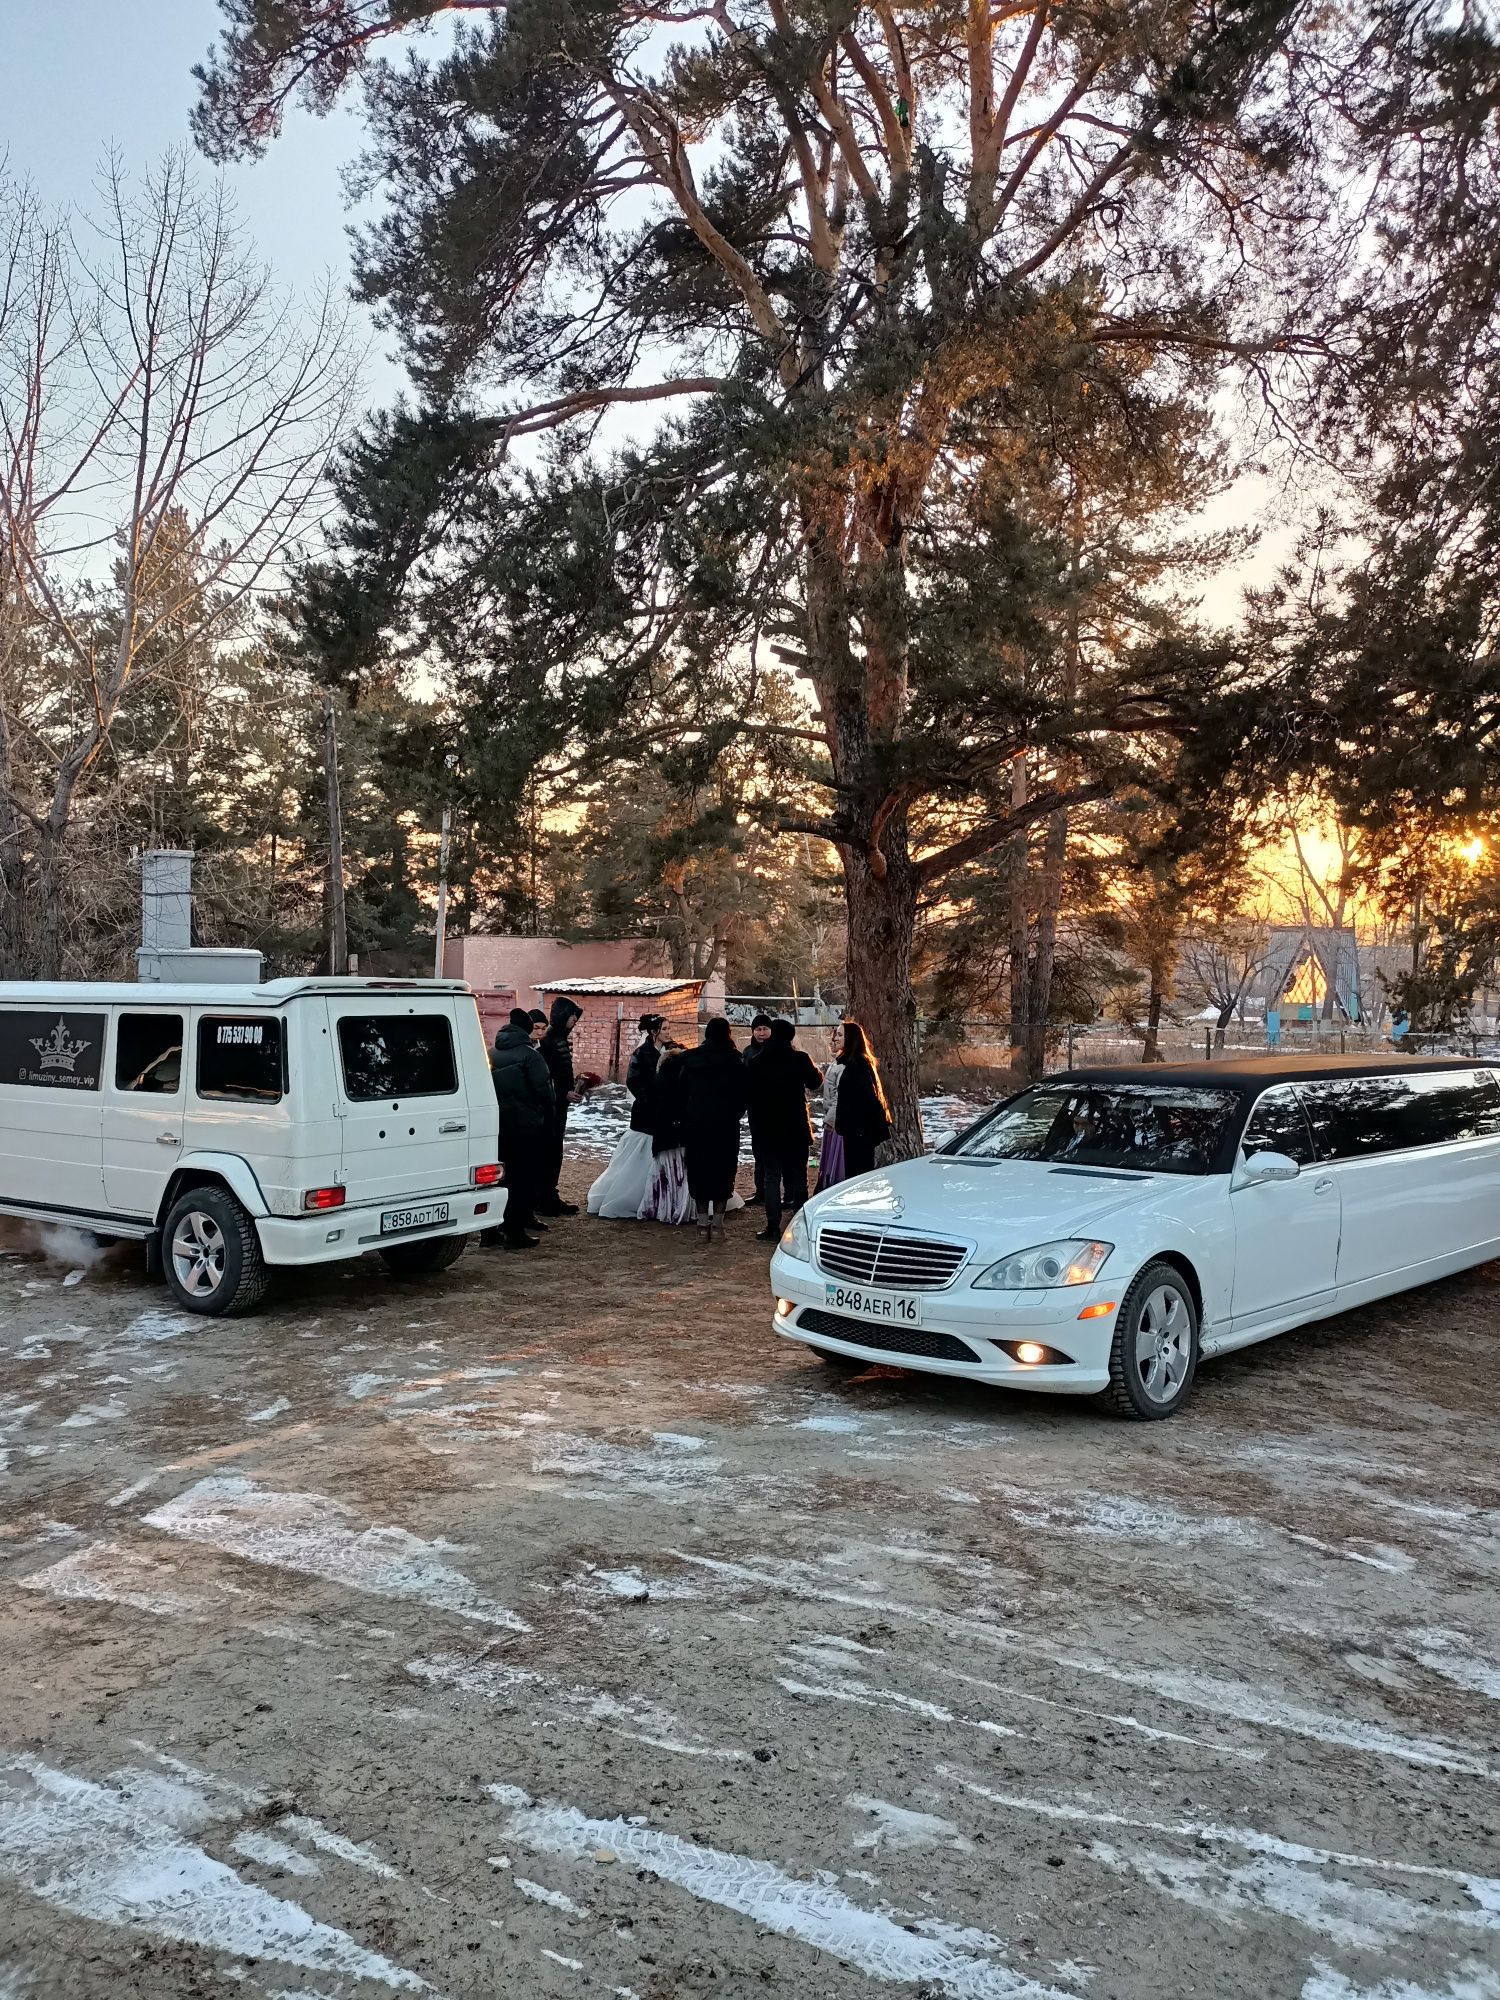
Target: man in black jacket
(557,1054)
(528,1112)
(777,1085)
(760,1041)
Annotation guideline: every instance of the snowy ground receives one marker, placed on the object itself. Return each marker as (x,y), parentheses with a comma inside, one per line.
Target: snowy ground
(596,1125)
(550,1629)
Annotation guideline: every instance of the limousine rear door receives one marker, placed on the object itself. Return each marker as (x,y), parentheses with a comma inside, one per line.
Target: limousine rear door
(1286,1233)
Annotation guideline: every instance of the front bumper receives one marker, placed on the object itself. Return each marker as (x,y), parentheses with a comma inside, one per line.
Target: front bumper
(336,1233)
(967,1326)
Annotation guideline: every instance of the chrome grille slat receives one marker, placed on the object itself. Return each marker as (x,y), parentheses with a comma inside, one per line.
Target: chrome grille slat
(891,1258)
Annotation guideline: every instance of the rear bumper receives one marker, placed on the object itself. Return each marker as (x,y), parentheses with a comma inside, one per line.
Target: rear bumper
(337,1233)
(960,1332)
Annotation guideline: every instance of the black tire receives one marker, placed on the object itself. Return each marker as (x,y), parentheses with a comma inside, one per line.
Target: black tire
(210,1254)
(1146,1390)
(415,1260)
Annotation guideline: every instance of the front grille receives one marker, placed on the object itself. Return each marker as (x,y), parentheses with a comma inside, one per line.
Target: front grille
(882,1257)
(889,1339)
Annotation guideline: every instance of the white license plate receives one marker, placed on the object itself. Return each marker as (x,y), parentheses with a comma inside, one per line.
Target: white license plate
(892,1306)
(396,1220)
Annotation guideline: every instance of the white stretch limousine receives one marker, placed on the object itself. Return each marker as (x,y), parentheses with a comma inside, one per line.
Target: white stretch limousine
(1106,1230)
(232,1128)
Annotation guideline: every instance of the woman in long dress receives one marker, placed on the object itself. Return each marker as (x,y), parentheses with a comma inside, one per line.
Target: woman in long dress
(710,1089)
(667,1198)
(863,1118)
(831,1151)
(619,1191)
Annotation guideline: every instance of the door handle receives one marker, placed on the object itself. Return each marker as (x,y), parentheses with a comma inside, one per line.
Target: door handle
(1322,1186)
(166,1139)
(453,1125)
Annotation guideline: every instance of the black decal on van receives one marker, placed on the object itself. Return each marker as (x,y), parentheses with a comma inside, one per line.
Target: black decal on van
(55,1049)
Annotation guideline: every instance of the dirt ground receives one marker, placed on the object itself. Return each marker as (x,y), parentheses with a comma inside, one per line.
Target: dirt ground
(550,1628)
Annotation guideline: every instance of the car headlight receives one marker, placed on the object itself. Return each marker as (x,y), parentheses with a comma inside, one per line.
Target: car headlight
(1073,1262)
(795,1239)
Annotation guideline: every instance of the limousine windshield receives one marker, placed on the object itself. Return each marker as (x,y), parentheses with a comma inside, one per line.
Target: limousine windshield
(1166,1129)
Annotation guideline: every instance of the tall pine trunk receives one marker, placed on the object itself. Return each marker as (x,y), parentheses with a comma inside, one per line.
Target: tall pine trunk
(1044,957)
(882,920)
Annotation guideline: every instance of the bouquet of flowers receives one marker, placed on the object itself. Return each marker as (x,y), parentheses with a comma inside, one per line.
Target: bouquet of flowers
(590,1080)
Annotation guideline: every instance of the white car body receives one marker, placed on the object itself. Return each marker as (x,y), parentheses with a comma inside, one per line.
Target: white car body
(1261,1255)
(86,1141)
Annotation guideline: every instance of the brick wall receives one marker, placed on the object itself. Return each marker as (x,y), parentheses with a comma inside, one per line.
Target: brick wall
(594,1035)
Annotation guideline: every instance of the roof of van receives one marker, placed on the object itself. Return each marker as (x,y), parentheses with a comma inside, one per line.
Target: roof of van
(212,993)
(1249,1075)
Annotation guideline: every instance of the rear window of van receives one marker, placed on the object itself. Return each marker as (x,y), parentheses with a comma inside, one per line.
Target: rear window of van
(241,1057)
(397,1055)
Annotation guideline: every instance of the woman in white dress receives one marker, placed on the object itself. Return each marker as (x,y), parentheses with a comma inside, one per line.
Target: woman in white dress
(621,1189)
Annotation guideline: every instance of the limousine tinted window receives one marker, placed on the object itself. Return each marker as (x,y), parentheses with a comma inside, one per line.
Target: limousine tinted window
(1355,1117)
(148,1053)
(1278,1125)
(240,1057)
(1154,1129)
(397,1055)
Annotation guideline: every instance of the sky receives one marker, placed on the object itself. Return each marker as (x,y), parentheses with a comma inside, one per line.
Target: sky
(80,76)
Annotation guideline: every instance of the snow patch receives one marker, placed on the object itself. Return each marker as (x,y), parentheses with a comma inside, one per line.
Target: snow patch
(155,1324)
(308,1533)
(106,1573)
(899,1827)
(271,1410)
(270,1852)
(815,1913)
(1474,1982)
(554,1898)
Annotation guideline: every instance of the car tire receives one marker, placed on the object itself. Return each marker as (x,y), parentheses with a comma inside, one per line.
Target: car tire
(415,1260)
(210,1254)
(1154,1358)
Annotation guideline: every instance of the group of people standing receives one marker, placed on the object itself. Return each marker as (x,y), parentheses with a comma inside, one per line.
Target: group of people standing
(680,1159)
(532,1066)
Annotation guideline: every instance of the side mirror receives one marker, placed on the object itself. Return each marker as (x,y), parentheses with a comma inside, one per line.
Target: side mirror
(1268,1167)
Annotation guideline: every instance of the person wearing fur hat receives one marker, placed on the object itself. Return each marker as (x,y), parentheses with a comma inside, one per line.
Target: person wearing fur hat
(528,1112)
(620,1190)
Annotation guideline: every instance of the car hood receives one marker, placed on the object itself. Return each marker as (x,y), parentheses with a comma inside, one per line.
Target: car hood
(1020,1202)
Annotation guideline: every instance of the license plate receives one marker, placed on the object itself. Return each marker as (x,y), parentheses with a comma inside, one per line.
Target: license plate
(890,1306)
(396,1220)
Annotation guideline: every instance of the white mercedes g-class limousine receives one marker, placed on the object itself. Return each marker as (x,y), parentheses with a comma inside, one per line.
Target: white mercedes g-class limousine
(1110,1228)
(235,1128)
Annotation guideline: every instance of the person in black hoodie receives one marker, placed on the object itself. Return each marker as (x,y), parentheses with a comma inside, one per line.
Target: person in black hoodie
(760,1041)
(557,1054)
(776,1085)
(862,1118)
(528,1112)
(707,1098)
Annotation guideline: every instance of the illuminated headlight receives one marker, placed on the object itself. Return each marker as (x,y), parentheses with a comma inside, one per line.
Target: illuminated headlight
(795,1239)
(1069,1263)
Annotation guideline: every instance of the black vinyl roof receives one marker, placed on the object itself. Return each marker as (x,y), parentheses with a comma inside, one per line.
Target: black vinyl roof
(1248,1076)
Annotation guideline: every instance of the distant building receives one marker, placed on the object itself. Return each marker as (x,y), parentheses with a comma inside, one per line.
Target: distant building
(606,1035)
(524,967)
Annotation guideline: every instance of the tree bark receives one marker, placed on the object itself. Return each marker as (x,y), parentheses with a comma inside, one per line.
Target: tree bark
(1020,927)
(338,931)
(1150,1049)
(882,918)
(1044,956)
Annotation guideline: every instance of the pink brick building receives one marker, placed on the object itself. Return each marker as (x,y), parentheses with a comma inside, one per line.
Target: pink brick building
(606,1035)
(526,966)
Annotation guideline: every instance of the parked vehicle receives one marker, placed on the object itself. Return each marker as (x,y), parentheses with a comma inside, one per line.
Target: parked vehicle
(1108,1229)
(234,1128)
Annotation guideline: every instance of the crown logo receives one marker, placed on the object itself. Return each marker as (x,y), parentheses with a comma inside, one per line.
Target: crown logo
(58,1050)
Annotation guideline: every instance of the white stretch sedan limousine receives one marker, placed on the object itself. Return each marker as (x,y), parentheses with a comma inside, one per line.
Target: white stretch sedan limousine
(1105,1231)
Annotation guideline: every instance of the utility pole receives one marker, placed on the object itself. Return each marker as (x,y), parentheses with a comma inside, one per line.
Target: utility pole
(338,929)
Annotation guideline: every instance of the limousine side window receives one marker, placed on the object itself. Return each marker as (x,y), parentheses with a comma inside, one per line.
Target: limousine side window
(148,1053)
(1277,1125)
(241,1057)
(397,1055)
(1355,1117)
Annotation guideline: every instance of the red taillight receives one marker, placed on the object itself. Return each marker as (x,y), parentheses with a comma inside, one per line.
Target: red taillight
(486,1176)
(331,1197)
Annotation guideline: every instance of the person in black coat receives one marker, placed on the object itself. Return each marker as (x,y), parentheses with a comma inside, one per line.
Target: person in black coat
(760,1041)
(528,1113)
(557,1054)
(640,1078)
(707,1087)
(776,1086)
(862,1118)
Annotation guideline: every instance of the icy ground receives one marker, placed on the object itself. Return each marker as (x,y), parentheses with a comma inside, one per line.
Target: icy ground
(552,1630)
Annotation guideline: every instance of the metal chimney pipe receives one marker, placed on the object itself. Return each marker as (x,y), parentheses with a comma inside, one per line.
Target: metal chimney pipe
(166,899)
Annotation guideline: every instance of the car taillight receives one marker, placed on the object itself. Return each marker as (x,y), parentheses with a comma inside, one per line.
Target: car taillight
(329,1197)
(486,1176)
